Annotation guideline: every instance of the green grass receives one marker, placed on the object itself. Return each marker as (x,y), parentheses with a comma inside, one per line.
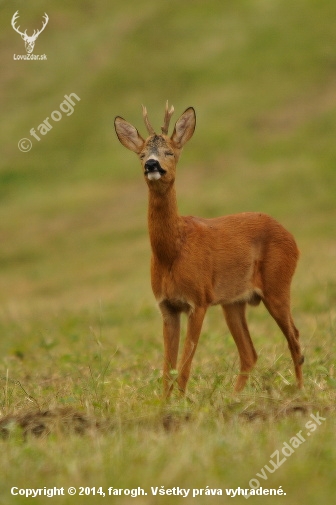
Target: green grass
(80,333)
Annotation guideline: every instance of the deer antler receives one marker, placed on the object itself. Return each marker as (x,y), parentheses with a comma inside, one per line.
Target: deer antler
(45,22)
(147,123)
(36,32)
(167,116)
(14,19)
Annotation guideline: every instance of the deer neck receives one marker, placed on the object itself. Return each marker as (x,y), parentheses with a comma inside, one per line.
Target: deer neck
(164,225)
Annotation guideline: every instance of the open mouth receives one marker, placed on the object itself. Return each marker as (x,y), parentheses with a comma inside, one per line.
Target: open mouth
(153,169)
(154,174)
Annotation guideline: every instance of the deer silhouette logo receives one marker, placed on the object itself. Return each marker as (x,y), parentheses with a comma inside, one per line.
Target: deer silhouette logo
(29,40)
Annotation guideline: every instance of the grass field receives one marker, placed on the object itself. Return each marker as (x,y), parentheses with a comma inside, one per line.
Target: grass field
(81,345)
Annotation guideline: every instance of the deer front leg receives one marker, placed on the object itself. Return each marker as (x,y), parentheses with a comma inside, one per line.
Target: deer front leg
(171,338)
(195,321)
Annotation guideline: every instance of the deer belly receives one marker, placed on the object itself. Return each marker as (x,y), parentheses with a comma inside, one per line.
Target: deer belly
(238,283)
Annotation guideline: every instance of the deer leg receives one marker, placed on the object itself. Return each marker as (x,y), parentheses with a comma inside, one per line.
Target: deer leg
(236,321)
(171,338)
(195,321)
(280,311)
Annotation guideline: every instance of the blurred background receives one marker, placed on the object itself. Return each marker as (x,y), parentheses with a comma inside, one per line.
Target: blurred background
(262,78)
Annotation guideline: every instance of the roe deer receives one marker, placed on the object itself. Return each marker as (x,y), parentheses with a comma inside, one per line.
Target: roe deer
(231,260)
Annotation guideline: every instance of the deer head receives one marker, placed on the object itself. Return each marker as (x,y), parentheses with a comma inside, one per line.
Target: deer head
(159,153)
(29,40)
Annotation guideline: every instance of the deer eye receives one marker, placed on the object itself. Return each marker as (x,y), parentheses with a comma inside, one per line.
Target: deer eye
(169,153)
(142,155)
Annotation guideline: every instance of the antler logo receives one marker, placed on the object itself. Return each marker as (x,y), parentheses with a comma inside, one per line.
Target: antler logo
(29,41)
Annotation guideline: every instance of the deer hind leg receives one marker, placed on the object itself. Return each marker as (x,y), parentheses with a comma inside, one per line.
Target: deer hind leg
(279,308)
(236,321)
(195,321)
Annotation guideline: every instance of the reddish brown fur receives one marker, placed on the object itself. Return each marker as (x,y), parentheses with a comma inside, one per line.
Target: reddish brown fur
(231,261)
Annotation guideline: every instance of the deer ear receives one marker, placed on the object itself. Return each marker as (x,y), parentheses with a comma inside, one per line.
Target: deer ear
(184,127)
(128,135)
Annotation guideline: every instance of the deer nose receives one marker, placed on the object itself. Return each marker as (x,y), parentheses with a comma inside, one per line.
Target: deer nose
(152,165)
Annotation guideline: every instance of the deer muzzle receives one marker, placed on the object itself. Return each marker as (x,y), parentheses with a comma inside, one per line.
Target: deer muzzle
(153,170)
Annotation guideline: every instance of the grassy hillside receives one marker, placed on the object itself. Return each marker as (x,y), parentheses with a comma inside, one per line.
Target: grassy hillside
(80,333)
